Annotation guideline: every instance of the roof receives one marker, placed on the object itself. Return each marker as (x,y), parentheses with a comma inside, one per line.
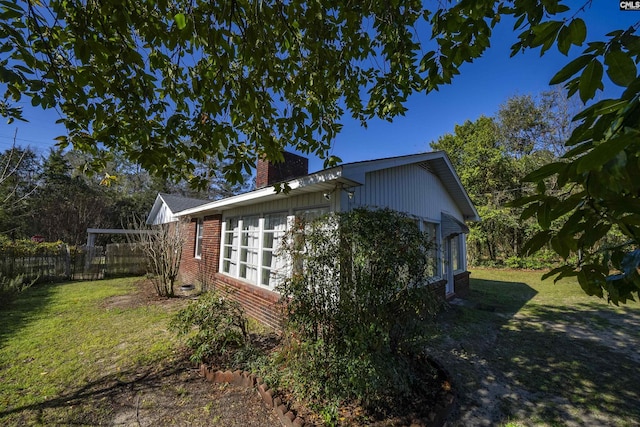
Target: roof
(178,203)
(174,203)
(351,175)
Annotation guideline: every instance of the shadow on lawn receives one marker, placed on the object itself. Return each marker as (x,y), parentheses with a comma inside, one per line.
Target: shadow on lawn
(574,363)
(17,312)
(95,399)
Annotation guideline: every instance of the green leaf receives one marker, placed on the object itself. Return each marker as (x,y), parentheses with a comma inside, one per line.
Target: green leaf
(577,31)
(570,69)
(590,80)
(560,247)
(544,171)
(544,214)
(620,68)
(603,152)
(181,20)
(536,242)
(567,205)
(605,106)
(564,42)
(557,270)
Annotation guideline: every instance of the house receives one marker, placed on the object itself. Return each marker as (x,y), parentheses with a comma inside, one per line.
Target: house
(232,241)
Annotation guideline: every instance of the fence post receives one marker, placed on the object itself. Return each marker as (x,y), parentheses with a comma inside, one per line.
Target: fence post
(67,262)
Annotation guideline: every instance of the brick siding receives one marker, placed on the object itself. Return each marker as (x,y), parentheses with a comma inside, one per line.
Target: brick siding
(259,303)
(203,270)
(461,284)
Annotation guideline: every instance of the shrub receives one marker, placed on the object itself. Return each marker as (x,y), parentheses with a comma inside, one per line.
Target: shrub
(10,286)
(357,305)
(216,327)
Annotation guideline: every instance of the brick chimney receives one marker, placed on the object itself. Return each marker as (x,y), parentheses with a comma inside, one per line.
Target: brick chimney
(293,166)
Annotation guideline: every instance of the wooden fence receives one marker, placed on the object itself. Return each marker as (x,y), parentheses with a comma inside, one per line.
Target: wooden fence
(75,263)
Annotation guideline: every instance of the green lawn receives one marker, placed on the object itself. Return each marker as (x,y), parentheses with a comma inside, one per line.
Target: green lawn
(531,352)
(521,352)
(60,343)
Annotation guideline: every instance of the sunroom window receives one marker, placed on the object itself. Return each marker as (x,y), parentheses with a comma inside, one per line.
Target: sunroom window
(250,248)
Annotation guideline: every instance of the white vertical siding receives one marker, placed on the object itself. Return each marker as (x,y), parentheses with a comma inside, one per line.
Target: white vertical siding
(289,204)
(410,189)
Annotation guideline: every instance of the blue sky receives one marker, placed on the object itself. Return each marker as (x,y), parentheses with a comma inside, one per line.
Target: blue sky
(478,90)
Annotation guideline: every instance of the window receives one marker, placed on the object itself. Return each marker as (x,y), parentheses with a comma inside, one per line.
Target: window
(199,234)
(457,253)
(312,214)
(250,248)
(435,267)
(230,241)
(275,226)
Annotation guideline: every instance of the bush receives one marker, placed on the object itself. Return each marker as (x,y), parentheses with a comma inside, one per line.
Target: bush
(216,327)
(9,286)
(357,305)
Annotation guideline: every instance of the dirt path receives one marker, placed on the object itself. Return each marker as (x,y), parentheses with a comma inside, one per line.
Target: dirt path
(183,398)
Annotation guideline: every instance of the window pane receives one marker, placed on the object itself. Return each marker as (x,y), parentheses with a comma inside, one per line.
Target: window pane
(455,253)
(198,243)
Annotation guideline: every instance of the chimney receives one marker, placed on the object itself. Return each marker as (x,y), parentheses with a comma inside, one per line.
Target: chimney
(293,166)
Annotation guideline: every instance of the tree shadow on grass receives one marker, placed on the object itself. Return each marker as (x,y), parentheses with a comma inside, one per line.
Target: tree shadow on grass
(565,364)
(21,309)
(576,364)
(93,401)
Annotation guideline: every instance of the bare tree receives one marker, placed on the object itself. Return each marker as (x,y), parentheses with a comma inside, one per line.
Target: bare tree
(10,164)
(162,245)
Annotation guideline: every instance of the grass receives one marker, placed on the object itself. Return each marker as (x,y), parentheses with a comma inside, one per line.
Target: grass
(60,342)
(544,353)
(522,352)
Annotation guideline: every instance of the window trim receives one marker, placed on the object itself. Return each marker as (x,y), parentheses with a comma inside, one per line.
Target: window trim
(199,239)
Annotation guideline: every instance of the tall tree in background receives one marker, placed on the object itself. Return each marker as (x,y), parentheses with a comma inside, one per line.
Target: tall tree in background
(19,169)
(64,206)
(492,155)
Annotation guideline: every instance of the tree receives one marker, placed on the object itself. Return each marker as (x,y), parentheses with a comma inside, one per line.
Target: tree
(242,79)
(356,313)
(162,245)
(169,82)
(18,172)
(64,206)
(492,155)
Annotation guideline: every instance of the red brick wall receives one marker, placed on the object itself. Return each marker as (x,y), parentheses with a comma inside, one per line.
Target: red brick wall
(259,303)
(203,270)
(440,288)
(461,284)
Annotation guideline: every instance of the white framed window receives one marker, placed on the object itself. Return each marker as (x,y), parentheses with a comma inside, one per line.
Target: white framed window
(250,248)
(312,213)
(199,235)
(230,240)
(273,264)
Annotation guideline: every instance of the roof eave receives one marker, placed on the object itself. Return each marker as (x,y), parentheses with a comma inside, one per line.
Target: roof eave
(296,186)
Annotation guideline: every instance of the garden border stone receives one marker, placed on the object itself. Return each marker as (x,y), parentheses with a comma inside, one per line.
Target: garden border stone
(288,416)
